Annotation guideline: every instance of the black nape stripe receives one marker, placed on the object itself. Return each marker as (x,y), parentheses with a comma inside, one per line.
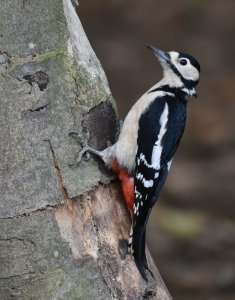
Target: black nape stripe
(189,84)
(178,92)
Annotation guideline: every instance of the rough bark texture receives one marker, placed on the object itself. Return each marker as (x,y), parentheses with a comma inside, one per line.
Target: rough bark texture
(63,230)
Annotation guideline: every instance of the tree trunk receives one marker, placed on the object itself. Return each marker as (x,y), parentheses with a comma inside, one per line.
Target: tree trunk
(63,229)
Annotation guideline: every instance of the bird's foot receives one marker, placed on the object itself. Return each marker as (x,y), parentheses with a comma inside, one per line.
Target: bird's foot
(83,140)
(86,149)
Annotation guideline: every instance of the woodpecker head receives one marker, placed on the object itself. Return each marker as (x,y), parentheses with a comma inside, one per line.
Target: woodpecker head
(180,69)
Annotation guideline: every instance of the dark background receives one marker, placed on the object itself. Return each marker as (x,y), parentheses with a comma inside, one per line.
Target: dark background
(191,233)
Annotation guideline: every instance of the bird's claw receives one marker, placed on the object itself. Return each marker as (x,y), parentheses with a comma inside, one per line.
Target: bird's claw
(84,141)
(76,136)
(87,135)
(87,155)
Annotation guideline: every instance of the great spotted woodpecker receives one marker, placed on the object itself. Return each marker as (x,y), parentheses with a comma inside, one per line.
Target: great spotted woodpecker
(148,139)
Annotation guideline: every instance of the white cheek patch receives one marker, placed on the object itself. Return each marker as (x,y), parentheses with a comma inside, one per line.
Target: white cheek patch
(189,72)
(193,73)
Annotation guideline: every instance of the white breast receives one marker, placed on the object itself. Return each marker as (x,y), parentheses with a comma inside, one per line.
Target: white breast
(126,146)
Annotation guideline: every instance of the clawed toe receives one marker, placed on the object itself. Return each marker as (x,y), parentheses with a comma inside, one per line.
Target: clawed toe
(86,149)
(87,154)
(83,140)
(75,135)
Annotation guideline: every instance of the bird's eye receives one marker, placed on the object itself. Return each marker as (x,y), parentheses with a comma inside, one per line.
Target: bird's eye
(183,61)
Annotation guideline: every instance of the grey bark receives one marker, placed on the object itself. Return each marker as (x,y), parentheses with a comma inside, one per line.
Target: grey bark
(63,230)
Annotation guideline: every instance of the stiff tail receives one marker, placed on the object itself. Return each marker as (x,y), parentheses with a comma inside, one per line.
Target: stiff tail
(141,215)
(136,244)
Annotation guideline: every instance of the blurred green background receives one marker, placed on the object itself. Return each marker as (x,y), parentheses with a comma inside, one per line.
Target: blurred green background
(191,233)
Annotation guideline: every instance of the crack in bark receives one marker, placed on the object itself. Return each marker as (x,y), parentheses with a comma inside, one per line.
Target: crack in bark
(39,108)
(18,275)
(58,173)
(99,247)
(41,209)
(101,258)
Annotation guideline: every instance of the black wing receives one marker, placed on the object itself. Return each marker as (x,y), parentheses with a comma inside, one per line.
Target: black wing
(160,131)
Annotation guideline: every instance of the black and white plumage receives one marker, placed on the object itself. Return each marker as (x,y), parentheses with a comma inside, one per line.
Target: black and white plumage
(160,128)
(149,137)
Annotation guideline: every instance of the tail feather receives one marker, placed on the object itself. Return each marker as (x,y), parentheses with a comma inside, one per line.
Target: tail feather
(139,251)
(141,216)
(144,258)
(137,244)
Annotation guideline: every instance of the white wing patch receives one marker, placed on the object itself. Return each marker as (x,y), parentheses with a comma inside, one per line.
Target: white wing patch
(156,175)
(139,176)
(137,194)
(147,183)
(143,159)
(157,148)
(136,207)
(154,165)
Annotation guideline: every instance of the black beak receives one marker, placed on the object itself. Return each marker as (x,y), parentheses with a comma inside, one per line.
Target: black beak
(162,56)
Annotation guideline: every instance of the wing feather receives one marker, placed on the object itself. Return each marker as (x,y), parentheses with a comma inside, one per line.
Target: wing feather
(160,130)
